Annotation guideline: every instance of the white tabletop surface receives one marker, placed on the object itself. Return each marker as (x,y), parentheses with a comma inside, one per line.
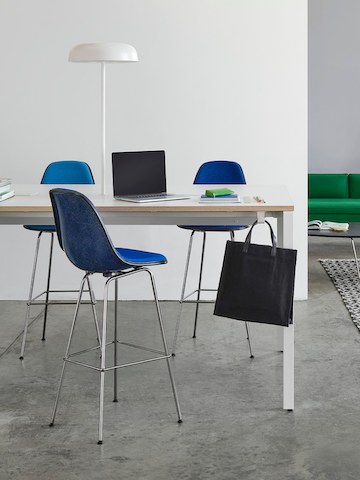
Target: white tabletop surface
(36,198)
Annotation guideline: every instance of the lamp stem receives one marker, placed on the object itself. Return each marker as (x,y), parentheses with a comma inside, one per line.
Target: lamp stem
(103,116)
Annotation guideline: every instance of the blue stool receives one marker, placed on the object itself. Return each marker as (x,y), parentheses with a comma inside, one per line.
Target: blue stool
(62,172)
(217,172)
(84,239)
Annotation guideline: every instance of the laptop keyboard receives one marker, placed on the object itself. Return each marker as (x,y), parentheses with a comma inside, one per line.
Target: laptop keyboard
(149,196)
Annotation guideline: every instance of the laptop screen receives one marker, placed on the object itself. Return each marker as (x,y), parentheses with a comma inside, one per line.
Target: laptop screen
(137,173)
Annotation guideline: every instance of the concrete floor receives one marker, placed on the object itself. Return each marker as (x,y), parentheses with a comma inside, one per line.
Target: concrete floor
(234,426)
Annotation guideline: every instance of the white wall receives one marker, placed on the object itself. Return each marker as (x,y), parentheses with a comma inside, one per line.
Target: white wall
(334,77)
(217,79)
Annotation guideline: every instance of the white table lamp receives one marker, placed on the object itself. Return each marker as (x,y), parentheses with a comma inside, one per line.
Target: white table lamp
(103,53)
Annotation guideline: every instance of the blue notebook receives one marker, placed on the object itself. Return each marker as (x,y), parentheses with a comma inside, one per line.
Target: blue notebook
(233,198)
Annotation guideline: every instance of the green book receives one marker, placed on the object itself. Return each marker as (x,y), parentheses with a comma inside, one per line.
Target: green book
(218,192)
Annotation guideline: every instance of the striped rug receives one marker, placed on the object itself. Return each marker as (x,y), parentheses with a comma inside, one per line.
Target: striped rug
(345,278)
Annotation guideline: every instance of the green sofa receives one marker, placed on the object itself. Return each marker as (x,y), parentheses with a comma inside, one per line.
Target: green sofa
(334,197)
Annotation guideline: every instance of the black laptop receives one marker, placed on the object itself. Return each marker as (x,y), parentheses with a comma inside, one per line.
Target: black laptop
(141,177)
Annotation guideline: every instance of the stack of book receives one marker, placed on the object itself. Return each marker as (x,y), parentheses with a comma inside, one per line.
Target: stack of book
(221,195)
(6,190)
(225,195)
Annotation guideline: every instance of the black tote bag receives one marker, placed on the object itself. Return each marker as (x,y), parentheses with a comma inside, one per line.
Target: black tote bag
(257,282)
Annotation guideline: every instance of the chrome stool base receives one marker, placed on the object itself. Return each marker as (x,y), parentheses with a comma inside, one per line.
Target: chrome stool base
(34,300)
(198,292)
(102,369)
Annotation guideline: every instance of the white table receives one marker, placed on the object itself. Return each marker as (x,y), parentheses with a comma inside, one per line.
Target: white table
(31,205)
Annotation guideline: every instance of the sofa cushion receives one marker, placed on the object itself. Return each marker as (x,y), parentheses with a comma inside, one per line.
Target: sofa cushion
(328,185)
(354,185)
(330,205)
(335,210)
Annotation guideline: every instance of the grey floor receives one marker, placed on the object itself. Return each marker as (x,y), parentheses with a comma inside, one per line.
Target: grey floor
(234,426)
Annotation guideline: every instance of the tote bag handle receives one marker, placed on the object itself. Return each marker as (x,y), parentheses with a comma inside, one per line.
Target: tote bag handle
(273,239)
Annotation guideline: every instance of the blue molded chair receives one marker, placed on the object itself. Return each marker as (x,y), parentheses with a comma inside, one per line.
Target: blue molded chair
(219,172)
(62,172)
(85,241)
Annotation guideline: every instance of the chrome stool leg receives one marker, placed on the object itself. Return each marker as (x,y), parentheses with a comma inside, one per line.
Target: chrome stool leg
(182,292)
(93,303)
(27,315)
(162,330)
(68,349)
(115,340)
(48,286)
(247,326)
(103,365)
(199,285)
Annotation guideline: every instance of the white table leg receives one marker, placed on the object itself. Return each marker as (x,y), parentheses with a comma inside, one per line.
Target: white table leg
(288,368)
(285,240)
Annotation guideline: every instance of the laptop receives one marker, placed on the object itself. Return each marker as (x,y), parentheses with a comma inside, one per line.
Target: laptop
(140,177)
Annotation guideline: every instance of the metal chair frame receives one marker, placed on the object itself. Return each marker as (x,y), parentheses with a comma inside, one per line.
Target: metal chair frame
(227,171)
(34,300)
(114,263)
(102,369)
(198,291)
(46,302)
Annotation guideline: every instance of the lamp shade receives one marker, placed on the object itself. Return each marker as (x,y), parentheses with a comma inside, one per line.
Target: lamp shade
(103,52)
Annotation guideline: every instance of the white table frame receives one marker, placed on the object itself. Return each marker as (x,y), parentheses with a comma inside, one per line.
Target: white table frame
(35,208)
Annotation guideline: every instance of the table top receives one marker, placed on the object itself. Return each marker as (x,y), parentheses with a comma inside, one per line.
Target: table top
(353,232)
(35,198)
(31,205)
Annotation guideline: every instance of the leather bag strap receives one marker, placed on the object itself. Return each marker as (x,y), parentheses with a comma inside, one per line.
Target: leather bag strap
(273,239)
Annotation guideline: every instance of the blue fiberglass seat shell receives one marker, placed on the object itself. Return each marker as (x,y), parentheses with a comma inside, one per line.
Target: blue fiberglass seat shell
(69,172)
(65,172)
(216,172)
(85,241)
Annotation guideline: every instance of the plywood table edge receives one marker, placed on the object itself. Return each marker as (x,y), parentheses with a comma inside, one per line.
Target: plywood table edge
(147,209)
(196,208)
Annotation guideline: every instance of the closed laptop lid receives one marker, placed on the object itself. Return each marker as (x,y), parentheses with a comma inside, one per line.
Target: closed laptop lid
(138,173)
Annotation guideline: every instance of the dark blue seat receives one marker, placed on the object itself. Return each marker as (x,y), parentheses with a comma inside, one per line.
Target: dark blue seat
(84,239)
(67,172)
(216,172)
